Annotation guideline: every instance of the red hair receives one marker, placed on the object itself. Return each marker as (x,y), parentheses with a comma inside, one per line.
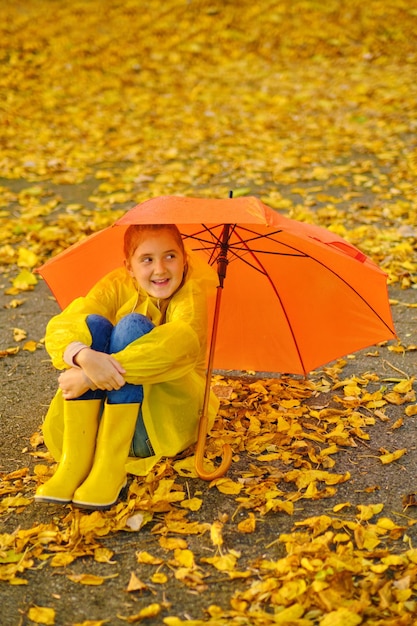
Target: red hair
(136,233)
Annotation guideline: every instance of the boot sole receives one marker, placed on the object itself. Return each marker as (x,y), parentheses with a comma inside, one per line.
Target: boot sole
(51,500)
(92,506)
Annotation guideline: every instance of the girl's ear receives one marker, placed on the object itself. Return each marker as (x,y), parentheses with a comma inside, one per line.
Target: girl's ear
(128,266)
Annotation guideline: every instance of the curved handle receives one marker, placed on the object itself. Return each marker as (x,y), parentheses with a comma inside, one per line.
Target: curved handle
(199,455)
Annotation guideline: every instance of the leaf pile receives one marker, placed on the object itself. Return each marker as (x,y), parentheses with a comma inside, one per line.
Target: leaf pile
(295,433)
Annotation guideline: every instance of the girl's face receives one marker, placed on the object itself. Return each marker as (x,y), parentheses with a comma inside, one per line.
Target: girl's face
(157,264)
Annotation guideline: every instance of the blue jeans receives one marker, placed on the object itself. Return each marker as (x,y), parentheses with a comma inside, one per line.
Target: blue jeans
(110,339)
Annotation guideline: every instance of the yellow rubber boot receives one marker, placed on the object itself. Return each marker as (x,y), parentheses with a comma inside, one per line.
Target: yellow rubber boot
(101,488)
(81,419)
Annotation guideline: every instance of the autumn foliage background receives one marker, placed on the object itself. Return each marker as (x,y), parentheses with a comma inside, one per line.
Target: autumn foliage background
(312,107)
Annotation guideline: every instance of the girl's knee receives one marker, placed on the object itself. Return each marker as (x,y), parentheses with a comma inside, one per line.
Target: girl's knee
(135,322)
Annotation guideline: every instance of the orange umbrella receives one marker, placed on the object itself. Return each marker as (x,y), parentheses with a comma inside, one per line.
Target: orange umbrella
(297,295)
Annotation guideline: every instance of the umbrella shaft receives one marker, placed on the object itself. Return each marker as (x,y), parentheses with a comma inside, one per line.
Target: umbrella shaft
(211,351)
(221,271)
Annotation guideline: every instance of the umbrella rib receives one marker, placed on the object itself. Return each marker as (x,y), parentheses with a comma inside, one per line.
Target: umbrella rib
(234,248)
(265,273)
(214,241)
(212,245)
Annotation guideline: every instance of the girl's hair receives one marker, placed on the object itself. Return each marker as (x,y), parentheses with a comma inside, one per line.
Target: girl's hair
(135,234)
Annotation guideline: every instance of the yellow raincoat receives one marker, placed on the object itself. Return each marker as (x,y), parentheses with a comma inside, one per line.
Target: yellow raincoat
(169,361)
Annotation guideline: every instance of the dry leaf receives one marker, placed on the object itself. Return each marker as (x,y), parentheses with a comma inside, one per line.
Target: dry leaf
(30,346)
(135,584)
(216,533)
(172,543)
(152,610)
(62,559)
(9,351)
(159,578)
(19,334)
(225,485)
(247,525)
(341,617)
(42,615)
(145,557)
(90,579)
(393,456)
(193,504)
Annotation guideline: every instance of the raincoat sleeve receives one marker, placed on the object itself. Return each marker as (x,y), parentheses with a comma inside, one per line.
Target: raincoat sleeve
(70,325)
(173,349)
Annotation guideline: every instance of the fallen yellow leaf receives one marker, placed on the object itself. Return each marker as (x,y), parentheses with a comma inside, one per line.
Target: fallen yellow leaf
(27,258)
(152,610)
(145,557)
(24,281)
(216,533)
(9,351)
(135,584)
(90,579)
(193,504)
(341,617)
(185,558)
(247,525)
(62,559)
(393,456)
(19,334)
(228,486)
(366,512)
(42,615)
(159,578)
(30,346)
(172,543)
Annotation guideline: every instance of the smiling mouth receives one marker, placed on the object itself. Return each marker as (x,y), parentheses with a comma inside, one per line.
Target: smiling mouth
(162,281)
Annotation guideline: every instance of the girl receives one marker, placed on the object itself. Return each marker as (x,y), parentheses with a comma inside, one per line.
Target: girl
(134,353)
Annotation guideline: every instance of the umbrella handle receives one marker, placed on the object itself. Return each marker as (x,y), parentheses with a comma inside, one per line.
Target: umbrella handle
(199,454)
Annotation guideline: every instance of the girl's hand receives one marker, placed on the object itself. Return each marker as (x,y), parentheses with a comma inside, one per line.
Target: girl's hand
(73,383)
(103,370)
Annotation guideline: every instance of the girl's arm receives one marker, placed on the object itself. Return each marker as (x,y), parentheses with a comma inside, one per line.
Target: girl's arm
(94,370)
(70,325)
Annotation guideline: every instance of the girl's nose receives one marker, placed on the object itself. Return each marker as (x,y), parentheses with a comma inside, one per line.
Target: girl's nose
(159,267)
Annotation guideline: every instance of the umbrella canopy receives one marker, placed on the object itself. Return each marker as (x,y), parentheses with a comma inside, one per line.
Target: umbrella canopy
(296,295)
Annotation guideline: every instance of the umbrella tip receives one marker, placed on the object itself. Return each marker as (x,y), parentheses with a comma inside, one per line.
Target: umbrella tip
(231,194)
